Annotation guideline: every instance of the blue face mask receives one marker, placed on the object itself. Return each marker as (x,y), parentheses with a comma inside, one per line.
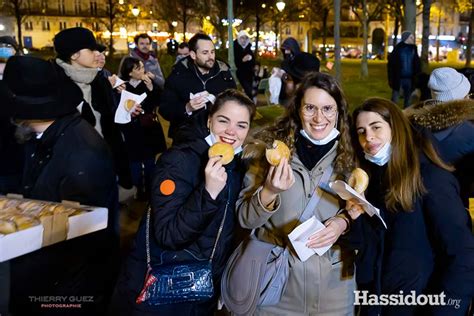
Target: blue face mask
(332,134)
(6,52)
(382,156)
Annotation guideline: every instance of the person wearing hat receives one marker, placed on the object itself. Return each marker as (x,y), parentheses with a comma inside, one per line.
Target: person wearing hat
(66,159)
(244,61)
(450,117)
(402,67)
(78,59)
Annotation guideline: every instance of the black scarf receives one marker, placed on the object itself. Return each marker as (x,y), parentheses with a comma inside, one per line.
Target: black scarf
(309,153)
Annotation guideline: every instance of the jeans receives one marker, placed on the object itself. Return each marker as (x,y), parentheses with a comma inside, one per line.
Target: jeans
(406,84)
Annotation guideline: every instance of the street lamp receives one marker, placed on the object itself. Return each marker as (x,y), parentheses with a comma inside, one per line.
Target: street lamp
(174,24)
(136,12)
(280,6)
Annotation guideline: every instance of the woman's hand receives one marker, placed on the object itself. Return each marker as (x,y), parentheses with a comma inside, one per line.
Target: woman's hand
(354,209)
(137,110)
(148,83)
(329,235)
(215,176)
(279,179)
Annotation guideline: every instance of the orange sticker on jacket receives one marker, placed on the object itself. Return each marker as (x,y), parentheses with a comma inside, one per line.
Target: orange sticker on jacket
(167,187)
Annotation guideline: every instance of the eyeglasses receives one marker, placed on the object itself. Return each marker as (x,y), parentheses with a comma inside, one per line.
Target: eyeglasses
(328,111)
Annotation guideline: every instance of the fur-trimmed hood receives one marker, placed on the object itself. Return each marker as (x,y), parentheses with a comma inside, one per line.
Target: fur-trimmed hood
(441,115)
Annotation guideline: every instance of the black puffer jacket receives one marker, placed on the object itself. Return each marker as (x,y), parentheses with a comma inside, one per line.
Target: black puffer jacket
(184,225)
(186,79)
(403,62)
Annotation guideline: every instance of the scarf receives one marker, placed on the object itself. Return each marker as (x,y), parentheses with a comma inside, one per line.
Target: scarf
(143,56)
(83,78)
(309,153)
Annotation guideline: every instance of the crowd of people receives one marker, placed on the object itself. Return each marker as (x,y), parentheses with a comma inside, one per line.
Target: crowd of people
(60,141)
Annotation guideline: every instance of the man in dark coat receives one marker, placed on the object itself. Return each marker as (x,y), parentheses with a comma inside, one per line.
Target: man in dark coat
(244,61)
(195,81)
(402,67)
(78,58)
(66,160)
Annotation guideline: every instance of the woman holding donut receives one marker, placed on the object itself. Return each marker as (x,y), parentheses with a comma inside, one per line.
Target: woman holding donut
(191,194)
(427,246)
(316,129)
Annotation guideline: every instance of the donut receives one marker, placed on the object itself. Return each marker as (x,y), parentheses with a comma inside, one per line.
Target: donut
(359,180)
(129,103)
(24,222)
(224,150)
(278,151)
(7,227)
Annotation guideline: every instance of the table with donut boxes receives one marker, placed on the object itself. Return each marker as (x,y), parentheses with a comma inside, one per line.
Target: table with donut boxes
(27,225)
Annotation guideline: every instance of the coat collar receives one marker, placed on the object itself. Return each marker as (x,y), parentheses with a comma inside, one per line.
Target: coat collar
(441,115)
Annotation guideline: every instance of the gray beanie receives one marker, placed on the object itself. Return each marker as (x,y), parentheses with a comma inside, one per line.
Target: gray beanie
(447,84)
(406,35)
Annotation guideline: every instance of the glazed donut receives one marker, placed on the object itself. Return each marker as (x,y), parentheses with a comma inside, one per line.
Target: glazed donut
(359,180)
(224,150)
(129,104)
(24,222)
(277,152)
(7,227)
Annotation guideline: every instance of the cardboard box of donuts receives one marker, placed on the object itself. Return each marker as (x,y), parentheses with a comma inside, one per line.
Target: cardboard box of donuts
(27,225)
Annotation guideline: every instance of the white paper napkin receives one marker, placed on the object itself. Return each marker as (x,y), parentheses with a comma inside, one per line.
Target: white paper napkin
(122,115)
(346,193)
(118,82)
(299,238)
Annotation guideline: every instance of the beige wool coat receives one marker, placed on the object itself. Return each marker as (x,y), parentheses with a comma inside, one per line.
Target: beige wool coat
(323,285)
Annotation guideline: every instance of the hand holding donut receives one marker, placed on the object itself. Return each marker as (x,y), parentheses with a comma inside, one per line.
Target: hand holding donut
(279,179)
(215,175)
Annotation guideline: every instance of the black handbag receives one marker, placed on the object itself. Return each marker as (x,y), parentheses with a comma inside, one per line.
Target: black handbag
(178,282)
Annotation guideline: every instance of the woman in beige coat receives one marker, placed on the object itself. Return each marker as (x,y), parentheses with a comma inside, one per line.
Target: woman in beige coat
(315,127)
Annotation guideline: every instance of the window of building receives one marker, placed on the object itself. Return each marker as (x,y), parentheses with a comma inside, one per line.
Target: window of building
(29,26)
(77,6)
(46,26)
(95,26)
(288,30)
(93,7)
(61,7)
(78,24)
(44,4)
(300,29)
(62,25)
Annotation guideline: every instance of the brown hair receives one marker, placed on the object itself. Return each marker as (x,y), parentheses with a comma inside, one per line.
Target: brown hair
(288,126)
(403,172)
(236,96)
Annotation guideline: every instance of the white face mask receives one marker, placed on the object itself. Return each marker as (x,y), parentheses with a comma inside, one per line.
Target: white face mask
(382,156)
(211,139)
(332,135)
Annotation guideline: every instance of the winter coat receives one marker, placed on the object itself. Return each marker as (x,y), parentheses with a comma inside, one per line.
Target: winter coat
(403,62)
(151,65)
(186,79)
(143,136)
(103,101)
(452,125)
(184,225)
(70,161)
(244,68)
(322,285)
(427,250)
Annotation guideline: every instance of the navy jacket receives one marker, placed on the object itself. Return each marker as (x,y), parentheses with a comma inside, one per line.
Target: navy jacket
(429,250)
(403,62)
(184,225)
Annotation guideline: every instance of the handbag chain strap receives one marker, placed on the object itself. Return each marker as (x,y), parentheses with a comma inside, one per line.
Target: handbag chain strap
(313,202)
(147,236)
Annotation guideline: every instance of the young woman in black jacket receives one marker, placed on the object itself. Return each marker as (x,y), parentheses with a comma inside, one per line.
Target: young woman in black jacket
(144,136)
(427,247)
(191,195)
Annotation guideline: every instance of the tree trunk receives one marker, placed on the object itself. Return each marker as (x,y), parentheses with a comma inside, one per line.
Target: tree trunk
(409,23)
(337,38)
(425,41)
(469,40)
(230,52)
(364,69)
(19,18)
(325,32)
(395,31)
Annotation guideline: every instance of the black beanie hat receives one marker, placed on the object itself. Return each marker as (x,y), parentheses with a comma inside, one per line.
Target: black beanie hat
(70,41)
(300,65)
(33,89)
